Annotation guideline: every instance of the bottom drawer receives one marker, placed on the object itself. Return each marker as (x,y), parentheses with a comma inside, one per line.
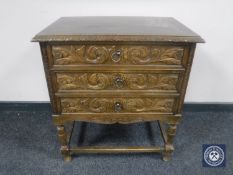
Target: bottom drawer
(117,105)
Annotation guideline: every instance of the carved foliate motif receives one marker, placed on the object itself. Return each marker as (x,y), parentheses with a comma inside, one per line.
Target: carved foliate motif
(102,105)
(97,54)
(104,81)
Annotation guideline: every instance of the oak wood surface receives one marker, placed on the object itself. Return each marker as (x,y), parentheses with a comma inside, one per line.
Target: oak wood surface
(109,149)
(112,118)
(117,29)
(117,70)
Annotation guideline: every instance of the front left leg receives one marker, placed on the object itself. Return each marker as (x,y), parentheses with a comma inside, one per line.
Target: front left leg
(62,135)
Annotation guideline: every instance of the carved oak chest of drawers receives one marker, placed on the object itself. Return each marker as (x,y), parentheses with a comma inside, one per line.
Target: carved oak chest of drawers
(117,70)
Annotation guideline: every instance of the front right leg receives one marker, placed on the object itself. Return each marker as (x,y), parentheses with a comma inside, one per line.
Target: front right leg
(169,148)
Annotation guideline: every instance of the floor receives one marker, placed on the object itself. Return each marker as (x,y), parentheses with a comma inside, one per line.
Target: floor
(29,146)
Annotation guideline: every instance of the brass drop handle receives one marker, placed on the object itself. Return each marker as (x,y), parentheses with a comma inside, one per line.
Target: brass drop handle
(116,56)
(118,107)
(119,82)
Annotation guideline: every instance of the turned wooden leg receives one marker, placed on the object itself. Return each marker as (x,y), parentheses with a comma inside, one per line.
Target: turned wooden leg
(62,135)
(169,148)
(168,152)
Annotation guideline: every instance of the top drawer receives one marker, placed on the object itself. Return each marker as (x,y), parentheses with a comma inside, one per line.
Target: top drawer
(117,54)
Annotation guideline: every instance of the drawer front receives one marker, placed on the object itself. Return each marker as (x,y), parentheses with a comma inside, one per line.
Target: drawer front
(117,105)
(111,81)
(117,54)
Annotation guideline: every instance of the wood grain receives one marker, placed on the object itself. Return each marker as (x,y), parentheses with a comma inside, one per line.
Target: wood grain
(112,118)
(117,28)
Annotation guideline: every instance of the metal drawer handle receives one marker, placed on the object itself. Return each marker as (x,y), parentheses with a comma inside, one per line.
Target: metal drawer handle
(119,82)
(116,56)
(118,107)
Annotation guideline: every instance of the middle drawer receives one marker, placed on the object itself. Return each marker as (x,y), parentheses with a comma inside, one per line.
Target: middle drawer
(110,81)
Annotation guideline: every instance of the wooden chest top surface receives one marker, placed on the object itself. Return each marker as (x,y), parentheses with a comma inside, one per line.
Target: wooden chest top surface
(161,29)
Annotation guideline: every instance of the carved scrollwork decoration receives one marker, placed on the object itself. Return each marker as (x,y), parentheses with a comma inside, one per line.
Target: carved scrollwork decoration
(72,106)
(138,81)
(139,54)
(167,82)
(97,81)
(159,55)
(103,81)
(151,81)
(135,105)
(169,56)
(97,54)
(73,54)
(82,81)
(68,54)
(101,105)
